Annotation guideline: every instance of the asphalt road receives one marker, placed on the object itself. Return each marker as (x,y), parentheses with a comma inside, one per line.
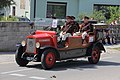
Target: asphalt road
(107,69)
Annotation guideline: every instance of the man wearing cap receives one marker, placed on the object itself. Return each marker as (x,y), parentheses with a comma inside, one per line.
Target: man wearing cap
(67,30)
(85,27)
(75,24)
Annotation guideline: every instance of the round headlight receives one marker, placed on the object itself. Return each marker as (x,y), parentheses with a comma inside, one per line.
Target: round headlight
(37,45)
(23,43)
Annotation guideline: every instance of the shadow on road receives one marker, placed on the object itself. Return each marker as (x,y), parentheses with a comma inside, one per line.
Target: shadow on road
(79,65)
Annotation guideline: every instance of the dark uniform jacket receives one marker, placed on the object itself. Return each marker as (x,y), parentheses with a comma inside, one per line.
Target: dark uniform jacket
(71,27)
(87,27)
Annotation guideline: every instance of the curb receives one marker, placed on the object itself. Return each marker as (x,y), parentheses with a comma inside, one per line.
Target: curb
(112,46)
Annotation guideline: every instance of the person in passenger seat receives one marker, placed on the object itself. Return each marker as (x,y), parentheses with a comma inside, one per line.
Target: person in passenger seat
(85,28)
(67,30)
(75,25)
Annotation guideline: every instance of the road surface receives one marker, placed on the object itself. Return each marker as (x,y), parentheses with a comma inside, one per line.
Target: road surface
(107,69)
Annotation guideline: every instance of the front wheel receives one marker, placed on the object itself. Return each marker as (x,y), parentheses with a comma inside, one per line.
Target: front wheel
(18,57)
(48,59)
(95,56)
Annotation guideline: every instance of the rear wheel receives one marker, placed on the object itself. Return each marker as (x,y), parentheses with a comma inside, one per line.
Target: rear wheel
(48,59)
(18,57)
(95,56)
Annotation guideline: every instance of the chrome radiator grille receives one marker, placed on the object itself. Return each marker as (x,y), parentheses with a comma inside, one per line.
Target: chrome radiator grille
(30,45)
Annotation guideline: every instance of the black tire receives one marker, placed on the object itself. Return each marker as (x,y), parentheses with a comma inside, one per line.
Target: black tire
(48,59)
(95,56)
(20,61)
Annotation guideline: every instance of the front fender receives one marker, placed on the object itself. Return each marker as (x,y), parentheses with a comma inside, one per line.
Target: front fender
(100,45)
(49,47)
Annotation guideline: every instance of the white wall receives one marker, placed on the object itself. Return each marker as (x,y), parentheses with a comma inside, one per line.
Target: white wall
(19,12)
(6,11)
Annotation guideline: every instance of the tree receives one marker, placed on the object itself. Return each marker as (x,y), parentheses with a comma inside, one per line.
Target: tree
(106,13)
(114,13)
(6,3)
(81,16)
(110,13)
(98,15)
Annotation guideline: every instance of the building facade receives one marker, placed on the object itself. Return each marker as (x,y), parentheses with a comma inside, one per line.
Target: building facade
(21,8)
(62,8)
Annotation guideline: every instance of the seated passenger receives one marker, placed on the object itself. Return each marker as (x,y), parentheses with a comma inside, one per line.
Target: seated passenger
(85,28)
(68,29)
(75,25)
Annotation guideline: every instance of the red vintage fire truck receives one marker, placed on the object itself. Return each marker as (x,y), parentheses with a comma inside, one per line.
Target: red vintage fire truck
(42,47)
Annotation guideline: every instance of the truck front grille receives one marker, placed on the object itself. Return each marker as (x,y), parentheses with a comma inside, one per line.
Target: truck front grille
(30,45)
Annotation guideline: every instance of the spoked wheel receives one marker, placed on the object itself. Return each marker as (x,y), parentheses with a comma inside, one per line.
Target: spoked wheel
(48,59)
(95,56)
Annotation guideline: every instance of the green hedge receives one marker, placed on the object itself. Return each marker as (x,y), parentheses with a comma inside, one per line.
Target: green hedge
(8,18)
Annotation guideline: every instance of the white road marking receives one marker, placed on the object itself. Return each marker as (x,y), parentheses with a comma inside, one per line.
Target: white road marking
(20,75)
(16,71)
(38,78)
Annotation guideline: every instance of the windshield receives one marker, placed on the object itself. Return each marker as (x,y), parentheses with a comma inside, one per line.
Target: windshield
(48,24)
(52,24)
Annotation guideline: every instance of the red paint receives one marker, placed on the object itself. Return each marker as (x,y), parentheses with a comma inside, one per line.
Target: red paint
(50,59)
(45,38)
(95,54)
(48,32)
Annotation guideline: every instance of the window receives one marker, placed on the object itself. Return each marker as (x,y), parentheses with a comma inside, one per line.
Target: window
(55,9)
(22,4)
(104,8)
(13,10)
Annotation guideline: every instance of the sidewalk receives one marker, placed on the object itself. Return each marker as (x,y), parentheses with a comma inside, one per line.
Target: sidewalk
(112,46)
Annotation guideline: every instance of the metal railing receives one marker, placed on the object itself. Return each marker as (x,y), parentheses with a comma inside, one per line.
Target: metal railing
(112,34)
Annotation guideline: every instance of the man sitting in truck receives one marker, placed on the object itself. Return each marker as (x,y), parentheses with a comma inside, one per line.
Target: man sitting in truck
(67,30)
(85,28)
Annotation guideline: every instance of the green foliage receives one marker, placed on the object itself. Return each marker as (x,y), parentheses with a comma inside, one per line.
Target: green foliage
(98,15)
(9,18)
(114,13)
(6,3)
(81,16)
